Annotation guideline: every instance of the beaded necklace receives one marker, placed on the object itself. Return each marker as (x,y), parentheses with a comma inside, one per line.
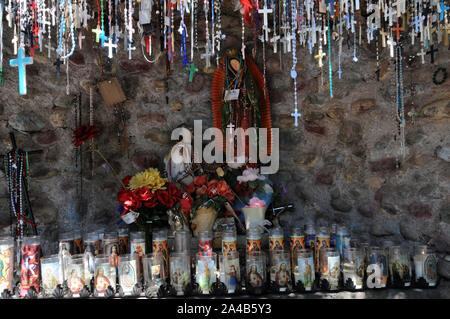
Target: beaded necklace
(296,114)
(330,71)
(400,108)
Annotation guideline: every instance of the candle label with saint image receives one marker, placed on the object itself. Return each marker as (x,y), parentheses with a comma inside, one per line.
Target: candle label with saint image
(231,274)
(228,246)
(310,241)
(255,273)
(380,260)
(321,242)
(30,268)
(137,247)
(426,267)
(399,266)
(76,278)
(253,245)
(297,243)
(123,245)
(205,247)
(205,275)
(276,244)
(77,247)
(6,265)
(179,273)
(50,275)
(280,270)
(93,247)
(64,259)
(105,276)
(89,261)
(304,272)
(353,268)
(127,275)
(160,248)
(330,268)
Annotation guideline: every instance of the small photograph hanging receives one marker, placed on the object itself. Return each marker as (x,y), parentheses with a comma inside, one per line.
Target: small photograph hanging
(29,268)
(50,273)
(205,275)
(75,280)
(305,272)
(127,275)
(105,276)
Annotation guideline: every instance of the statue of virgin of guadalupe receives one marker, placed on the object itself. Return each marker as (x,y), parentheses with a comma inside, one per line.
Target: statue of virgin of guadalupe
(239,97)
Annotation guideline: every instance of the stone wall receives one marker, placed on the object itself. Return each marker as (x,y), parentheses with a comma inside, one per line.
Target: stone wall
(338,166)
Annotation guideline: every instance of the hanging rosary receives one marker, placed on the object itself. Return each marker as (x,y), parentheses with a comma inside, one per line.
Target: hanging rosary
(296,114)
(400,108)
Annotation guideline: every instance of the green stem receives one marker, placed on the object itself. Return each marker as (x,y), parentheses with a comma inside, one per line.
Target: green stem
(96,150)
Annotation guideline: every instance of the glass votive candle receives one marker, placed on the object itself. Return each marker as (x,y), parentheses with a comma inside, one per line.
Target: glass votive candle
(280,269)
(105,275)
(297,242)
(77,243)
(180,271)
(7,260)
(342,239)
(66,243)
(205,271)
(30,264)
(322,240)
(123,241)
(160,247)
(153,270)
(230,272)
(276,239)
(229,243)
(91,243)
(400,271)
(182,240)
(88,264)
(329,267)
(425,265)
(138,247)
(253,240)
(378,262)
(303,268)
(76,277)
(110,243)
(205,242)
(333,231)
(255,265)
(50,274)
(128,273)
(353,267)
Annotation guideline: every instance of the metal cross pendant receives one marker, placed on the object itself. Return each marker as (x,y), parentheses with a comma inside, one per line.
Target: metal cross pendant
(207,55)
(296,116)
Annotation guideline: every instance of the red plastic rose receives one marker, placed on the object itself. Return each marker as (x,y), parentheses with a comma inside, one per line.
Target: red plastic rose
(212,188)
(200,180)
(126,180)
(202,190)
(151,202)
(124,194)
(143,194)
(186,202)
(164,198)
(190,188)
(83,133)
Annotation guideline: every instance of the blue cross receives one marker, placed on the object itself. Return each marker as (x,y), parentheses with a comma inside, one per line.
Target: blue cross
(20,62)
(371,32)
(296,115)
(340,72)
(347,17)
(103,38)
(416,22)
(443,9)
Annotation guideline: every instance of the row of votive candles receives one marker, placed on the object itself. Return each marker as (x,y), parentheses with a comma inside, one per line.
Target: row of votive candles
(128,269)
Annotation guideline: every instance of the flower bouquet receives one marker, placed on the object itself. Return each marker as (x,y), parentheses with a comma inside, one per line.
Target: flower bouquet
(208,197)
(148,196)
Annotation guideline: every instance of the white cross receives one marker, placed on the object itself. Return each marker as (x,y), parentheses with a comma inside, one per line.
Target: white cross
(413,36)
(401,7)
(14,40)
(50,48)
(9,16)
(130,48)
(111,46)
(80,39)
(53,14)
(274,40)
(286,40)
(265,12)
(207,55)
(296,115)
(41,30)
(390,42)
(422,54)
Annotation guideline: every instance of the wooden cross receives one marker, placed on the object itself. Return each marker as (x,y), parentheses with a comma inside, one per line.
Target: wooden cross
(446,33)
(296,115)
(20,62)
(383,37)
(319,57)
(192,69)
(397,30)
(431,53)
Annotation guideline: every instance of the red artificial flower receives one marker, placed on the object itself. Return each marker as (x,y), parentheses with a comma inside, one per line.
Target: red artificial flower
(212,188)
(151,202)
(200,180)
(143,194)
(190,188)
(169,196)
(126,180)
(124,194)
(186,202)
(83,133)
(202,190)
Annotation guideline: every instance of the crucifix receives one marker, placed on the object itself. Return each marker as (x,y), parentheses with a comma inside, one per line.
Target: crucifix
(390,42)
(319,57)
(265,11)
(130,48)
(207,55)
(296,115)
(49,47)
(192,69)
(15,40)
(111,45)
(401,7)
(274,40)
(80,39)
(286,40)
(431,53)
(20,62)
(397,30)
(383,37)
(97,32)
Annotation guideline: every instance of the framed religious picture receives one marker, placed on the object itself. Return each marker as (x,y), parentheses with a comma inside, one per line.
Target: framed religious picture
(127,273)
(75,275)
(205,272)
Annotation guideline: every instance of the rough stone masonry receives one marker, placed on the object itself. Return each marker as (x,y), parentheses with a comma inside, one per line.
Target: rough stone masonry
(338,166)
